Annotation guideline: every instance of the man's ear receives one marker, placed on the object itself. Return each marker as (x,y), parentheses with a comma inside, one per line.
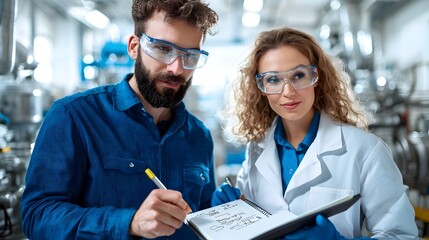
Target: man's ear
(133,46)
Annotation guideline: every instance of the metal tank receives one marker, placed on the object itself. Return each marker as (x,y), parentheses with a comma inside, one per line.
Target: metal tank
(22,101)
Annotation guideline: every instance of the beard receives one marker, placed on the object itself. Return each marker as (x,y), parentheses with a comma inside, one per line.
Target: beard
(166,98)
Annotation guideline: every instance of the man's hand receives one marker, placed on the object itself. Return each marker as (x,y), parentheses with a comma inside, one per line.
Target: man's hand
(161,213)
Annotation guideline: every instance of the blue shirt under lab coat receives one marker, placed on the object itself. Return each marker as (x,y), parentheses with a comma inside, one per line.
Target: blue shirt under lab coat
(86,174)
(290,157)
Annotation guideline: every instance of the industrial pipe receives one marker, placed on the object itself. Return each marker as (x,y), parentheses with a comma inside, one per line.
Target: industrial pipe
(7,38)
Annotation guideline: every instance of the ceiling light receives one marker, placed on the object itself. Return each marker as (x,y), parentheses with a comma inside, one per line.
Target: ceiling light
(92,18)
(381,81)
(335,5)
(365,42)
(250,19)
(253,5)
(97,19)
(325,31)
(348,41)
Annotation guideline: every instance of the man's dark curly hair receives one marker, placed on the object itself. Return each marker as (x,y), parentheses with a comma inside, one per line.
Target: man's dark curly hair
(194,12)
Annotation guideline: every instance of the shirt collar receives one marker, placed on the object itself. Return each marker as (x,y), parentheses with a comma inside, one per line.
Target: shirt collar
(123,95)
(312,131)
(279,136)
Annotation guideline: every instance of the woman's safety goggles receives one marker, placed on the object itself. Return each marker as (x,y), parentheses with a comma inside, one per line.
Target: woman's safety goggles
(300,77)
(168,52)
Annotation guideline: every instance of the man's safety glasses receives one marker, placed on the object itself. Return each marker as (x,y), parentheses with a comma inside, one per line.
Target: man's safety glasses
(300,77)
(168,52)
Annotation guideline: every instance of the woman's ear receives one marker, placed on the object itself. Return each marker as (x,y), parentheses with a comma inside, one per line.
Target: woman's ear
(133,46)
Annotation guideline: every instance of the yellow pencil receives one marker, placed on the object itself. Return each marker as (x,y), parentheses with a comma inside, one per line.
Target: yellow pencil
(159,184)
(153,177)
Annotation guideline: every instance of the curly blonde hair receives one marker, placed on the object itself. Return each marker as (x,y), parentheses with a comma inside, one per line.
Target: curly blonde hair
(248,112)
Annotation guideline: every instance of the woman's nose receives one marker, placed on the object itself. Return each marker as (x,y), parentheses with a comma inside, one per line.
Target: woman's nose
(288,89)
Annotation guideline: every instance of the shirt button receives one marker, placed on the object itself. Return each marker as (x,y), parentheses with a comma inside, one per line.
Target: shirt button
(290,170)
(202,176)
(131,164)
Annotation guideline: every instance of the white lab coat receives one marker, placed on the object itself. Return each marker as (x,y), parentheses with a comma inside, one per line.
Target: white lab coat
(343,159)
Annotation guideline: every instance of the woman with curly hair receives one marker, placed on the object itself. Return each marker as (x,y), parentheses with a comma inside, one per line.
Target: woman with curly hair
(308,143)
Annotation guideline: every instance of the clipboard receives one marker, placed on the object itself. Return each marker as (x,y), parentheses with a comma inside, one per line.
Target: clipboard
(243,219)
(309,218)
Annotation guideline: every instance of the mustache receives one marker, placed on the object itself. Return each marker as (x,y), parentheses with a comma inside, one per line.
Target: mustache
(170,78)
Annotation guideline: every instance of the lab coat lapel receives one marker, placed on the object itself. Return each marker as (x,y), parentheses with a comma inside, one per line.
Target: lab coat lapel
(309,172)
(268,164)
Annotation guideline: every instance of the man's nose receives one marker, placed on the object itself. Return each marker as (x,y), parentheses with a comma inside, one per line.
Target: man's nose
(176,67)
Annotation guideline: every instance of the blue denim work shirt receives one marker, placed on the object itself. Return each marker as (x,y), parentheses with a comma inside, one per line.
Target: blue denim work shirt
(86,176)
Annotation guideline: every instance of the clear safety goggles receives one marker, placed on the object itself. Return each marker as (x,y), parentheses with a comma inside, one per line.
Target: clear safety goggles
(168,52)
(273,82)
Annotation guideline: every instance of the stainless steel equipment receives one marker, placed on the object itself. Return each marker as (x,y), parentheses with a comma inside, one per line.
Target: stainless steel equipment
(7,41)
(21,109)
(420,139)
(22,101)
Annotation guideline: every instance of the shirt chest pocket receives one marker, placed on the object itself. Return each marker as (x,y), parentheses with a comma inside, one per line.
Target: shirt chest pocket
(195,178)
(126,165)
(198,175)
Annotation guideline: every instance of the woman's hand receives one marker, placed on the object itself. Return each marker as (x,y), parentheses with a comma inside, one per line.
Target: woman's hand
(225,193)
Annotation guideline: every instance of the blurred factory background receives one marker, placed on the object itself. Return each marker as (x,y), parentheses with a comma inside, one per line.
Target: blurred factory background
(51,48)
